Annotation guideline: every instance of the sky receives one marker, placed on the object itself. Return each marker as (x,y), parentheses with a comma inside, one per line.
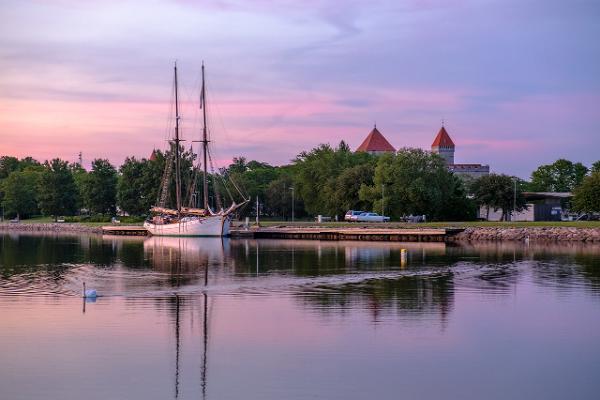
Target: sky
(516,82)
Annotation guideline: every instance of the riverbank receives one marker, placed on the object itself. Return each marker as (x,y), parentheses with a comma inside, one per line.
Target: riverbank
(388,233)
(535,234)
(55,227)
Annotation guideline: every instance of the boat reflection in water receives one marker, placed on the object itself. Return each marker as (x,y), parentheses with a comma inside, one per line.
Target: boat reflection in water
(187,260)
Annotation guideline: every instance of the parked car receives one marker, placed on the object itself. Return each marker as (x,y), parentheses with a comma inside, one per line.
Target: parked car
(371,217)
(352,214)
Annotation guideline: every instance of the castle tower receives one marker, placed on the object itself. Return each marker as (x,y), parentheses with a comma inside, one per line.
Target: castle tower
(376,143)
(444,146)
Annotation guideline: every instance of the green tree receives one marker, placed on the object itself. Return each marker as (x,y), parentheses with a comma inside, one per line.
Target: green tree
(100,188)
(20,193)
(586,197)
(346,187)
(416,182)
(560,176)
(497,192)
(130,188)
(80,176)
(57,192)
(316,175)
(8,164)
(596,167)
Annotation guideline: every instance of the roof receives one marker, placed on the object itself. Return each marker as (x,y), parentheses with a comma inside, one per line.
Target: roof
(547,195)
(375,142)
(153,155)
(442,139)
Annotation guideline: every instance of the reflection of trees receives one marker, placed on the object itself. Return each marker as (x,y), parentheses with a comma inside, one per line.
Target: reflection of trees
(316,258)
(556,263)
(405,296)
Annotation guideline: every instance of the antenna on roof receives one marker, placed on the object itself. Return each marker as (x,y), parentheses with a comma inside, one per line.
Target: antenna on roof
(442,122)
(375,125)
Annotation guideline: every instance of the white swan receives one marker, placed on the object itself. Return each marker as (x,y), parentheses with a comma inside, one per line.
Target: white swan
(89,293)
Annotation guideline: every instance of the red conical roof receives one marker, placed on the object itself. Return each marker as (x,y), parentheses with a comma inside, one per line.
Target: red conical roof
(442,139)
(375,142)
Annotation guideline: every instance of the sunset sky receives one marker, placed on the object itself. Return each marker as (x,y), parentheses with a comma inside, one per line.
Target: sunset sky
(517,82)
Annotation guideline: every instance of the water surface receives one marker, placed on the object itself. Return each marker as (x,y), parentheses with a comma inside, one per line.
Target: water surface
(273,319)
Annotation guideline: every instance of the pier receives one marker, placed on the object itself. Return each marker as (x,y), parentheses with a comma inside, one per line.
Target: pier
(124,230)
(367,234)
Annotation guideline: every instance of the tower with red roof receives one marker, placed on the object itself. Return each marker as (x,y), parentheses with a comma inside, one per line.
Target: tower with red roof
(444,146)
(376,143)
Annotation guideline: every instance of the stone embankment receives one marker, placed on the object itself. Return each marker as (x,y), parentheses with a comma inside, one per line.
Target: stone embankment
(50,227)
(538,234)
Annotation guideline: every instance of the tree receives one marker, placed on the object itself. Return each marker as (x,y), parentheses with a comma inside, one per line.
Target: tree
(8,164)
(100,188)
(596,166)
(416,182)
(586,197)
(316,175)
(497,192)
(560,176)
(130,188)
(20,194)
(57,192)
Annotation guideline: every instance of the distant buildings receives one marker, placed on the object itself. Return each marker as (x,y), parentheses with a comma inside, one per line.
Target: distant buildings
(376,143)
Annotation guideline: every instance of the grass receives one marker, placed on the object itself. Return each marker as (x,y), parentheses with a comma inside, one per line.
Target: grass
(458,224)
(48,220)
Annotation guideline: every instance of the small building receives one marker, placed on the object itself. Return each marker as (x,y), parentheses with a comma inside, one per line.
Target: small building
(541,206)
(376,143)
(444,146)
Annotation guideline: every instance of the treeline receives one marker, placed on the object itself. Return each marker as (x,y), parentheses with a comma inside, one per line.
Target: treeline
(325,180)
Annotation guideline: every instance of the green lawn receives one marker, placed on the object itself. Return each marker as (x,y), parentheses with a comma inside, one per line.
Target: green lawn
(578,224)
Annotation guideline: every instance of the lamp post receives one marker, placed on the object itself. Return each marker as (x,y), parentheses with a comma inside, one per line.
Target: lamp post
(292,189)
(383,199)
(515,199)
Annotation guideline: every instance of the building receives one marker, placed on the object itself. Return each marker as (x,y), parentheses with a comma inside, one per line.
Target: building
(541,206)
(444,146)
(376,143)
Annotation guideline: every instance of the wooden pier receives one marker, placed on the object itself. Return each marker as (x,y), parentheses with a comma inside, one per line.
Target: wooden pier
(370,234)
(124,230)
(367,234)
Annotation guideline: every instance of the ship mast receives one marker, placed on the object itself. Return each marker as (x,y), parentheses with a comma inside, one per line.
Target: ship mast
(204,141)
(177,155)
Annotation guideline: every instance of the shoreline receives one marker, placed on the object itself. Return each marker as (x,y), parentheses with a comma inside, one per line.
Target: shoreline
(536,234)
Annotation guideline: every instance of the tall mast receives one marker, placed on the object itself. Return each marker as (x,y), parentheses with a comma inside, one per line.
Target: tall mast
(204,141)
(177,155)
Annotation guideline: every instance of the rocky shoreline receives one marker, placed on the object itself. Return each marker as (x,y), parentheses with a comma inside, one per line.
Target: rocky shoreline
(50,227)
(534,234)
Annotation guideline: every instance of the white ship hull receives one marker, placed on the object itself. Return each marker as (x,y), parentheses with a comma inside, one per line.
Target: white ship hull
(215,225)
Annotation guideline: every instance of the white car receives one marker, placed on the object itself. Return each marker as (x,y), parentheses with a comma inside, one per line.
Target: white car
(351,215)
(371,217)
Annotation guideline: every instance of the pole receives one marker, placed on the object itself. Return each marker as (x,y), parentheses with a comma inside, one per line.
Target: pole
(257,210)
(177,155)
(383,199)
(204,142)
(515,200)
(292,189)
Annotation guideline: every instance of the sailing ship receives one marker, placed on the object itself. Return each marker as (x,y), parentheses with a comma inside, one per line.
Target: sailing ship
(189,220)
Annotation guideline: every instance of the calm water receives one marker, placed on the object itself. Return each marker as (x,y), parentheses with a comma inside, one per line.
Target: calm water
(268,319)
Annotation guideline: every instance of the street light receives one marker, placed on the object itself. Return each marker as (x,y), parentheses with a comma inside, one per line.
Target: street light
(383,199)
(292,189)
(514,199)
